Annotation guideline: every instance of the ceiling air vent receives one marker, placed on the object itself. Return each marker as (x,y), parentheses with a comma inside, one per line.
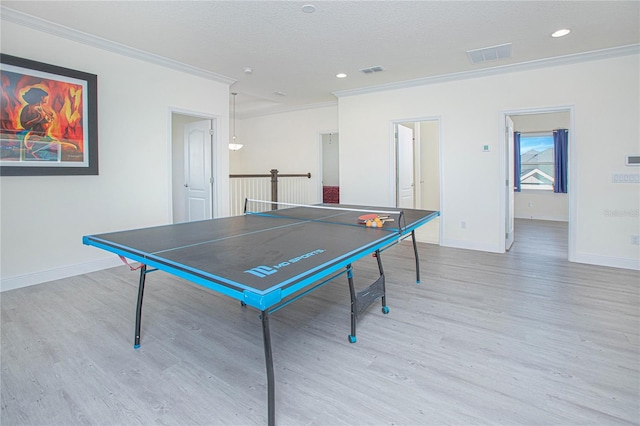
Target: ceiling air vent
(371,70)
(492,53)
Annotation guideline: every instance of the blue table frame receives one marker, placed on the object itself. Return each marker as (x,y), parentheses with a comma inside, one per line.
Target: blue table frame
(267,261)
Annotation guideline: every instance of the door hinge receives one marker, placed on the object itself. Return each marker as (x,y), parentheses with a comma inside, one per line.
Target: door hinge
(211,180)
(211,132)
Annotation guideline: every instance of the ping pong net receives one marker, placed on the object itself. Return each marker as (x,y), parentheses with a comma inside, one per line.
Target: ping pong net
(339,214)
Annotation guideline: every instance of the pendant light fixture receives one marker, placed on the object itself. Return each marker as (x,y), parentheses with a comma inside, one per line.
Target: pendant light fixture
(234,145)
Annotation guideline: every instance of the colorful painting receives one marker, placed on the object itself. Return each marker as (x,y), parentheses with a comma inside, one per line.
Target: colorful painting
(48,119)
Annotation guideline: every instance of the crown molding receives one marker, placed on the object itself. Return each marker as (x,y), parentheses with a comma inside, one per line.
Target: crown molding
(281,110)
(632,49)
(45,26)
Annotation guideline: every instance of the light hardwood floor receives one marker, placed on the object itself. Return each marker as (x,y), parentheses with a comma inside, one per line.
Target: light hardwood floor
(523,338)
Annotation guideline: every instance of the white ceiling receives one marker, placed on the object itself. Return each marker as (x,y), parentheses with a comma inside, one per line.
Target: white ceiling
(299,53)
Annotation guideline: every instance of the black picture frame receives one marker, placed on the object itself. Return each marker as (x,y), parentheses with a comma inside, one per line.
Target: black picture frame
(28,149)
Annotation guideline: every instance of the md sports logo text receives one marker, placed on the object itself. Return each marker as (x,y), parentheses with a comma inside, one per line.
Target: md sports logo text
(262,271)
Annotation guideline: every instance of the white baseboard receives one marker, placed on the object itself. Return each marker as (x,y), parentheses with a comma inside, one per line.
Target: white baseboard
(613,262)
(40,277)
(471,245)
(591,259)
(549,218)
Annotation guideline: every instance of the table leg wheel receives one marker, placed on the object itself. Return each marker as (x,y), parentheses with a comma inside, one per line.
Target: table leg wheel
(352,339)
(385,310)
(242,304)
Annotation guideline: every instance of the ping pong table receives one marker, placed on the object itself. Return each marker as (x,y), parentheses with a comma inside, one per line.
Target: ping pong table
(267,259)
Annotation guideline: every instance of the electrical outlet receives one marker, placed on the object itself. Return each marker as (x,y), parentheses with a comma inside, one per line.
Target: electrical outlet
(530,204)
(635,240)
(463,225)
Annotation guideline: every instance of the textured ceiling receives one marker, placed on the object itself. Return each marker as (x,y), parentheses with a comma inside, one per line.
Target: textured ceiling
(299,53)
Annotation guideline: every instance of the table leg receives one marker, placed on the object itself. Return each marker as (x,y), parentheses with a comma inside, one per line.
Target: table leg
(354,307)
(415,252)
(268,356)
(143,274)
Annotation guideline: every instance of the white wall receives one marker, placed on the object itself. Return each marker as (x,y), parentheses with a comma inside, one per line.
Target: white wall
(541,205)
(536,204)
(289,142)
(604,95)
(44,218)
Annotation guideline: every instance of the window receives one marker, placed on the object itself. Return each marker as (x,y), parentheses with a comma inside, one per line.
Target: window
(537,161)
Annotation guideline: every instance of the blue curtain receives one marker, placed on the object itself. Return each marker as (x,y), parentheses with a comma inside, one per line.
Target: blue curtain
(517,167)
(560,148)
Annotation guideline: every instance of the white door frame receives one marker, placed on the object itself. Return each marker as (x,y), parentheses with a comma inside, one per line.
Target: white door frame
(393,159)
(573,180)
(215,160)
(509,149)
(418,175)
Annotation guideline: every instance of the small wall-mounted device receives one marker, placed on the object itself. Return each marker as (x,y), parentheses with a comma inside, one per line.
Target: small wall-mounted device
(633,160)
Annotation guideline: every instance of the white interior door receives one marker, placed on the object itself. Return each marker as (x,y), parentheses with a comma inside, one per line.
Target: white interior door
(197,170)
(509,196)
(404,170)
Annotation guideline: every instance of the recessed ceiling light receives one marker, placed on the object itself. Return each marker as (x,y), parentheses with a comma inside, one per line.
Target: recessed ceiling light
(341,75)
(561,33)
(308,8)
(279,93)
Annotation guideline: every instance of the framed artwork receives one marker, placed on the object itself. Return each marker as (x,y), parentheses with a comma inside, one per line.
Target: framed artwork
(48,119)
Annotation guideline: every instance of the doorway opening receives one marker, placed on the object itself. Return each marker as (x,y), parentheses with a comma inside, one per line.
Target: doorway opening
(192,167)
(330,167)
(416,147)
(536,202)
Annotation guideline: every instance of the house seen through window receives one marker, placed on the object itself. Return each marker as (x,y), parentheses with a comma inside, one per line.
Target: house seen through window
(536,160)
